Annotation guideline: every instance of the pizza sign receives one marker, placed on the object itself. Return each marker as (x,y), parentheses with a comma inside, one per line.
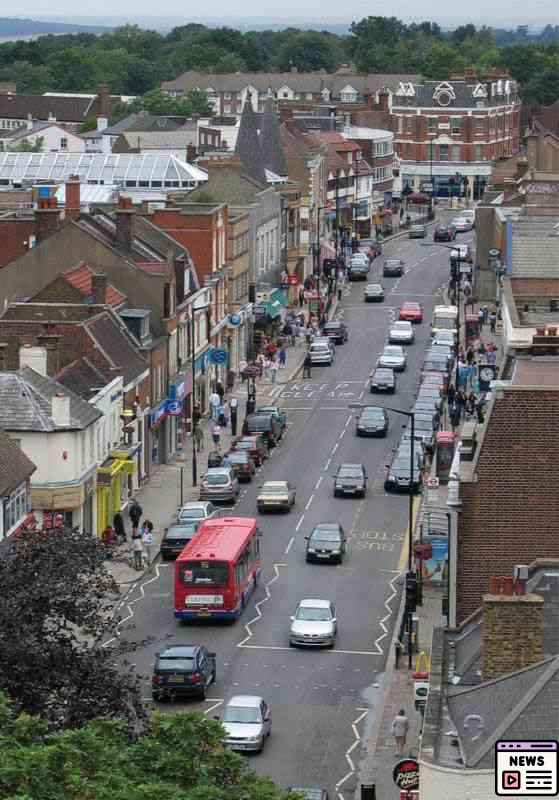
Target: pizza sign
(406,774)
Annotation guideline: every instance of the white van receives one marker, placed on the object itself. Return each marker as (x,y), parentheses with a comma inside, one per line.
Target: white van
(470,215)
(444,319)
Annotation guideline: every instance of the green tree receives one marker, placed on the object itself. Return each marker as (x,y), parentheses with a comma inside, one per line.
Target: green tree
(229,63)
(309,51)
(53,602)
(176,757)
(30,78)
(542,89)
(157,102)
(441,60)
(26,146)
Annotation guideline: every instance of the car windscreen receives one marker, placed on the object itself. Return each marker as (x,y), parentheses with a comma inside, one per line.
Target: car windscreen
(237,458)
(392,262)
(204,573)
(217,480)
(176,664)
(445,323)
(261,422)
(320,535)
(350,473)
(192,513)
(181,533)
(374,416)
(308,614)
(383,374)
(392,352)
(238,714)
(332,326)
(319,348)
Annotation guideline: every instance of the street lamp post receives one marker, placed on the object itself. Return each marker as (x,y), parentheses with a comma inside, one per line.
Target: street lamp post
(193,421)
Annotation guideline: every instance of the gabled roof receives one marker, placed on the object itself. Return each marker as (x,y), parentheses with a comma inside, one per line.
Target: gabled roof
(144,122)
(26,403)
(117,345)
(229,185)
(15,466)
(177,139)
(64,109)
(249,147)
(24,132)
(80,278)
(270,141)
(84,378)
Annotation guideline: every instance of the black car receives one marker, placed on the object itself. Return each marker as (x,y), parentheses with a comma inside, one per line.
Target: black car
(444,233)
(241,463)
(372,421)
(337,331)
(183,669)
(350,479)
(267,425)
(393,268)
(398,473)
(383,380)
(177,536)
(358,271)
(326,542)
(373,293)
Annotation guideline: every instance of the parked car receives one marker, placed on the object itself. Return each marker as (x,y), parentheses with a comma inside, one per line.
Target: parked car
(313,624)
(321,353)
(220,484)
(276,412)
(247,720)
(371,247)
(432,395)
(462,224)
(401,332)
(326,542)
(412,312)
(255,446)
(441,350)
(444,233)
(350,479)
(373,293)
(398,473)
(436,363)
(276,495)
(309,792)
(242,464)
(197,511)
(424,430)
(393,268)
(337,331)
(372,421)
(417,232)
(470,215)
(394,357)
(426,406)
(183,669)
(177,536)
(444,337)
(383,380)
(264,424)
(358,270)
(359,258)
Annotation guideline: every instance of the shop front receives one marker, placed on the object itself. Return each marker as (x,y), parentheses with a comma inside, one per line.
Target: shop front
(180,390)
(114,478)
(201,380)
(73,505)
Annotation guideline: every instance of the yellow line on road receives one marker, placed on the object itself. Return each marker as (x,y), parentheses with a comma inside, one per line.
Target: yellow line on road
(404,553)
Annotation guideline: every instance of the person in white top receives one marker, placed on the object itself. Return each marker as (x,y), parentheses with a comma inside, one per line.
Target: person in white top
(274,370)
(215,402)
(147,540)
(400,728)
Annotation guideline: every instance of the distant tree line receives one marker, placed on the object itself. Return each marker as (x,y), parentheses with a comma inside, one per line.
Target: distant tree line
(134,61)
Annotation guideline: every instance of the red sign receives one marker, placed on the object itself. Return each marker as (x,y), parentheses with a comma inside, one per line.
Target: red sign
(406,774)
(292,280)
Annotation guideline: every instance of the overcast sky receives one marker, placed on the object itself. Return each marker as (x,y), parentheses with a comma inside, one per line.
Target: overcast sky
(502,12)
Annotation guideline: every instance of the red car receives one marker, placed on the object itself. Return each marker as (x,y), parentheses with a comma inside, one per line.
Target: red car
(412,312)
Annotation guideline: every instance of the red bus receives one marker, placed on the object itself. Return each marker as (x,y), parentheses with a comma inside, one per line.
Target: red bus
(218,570)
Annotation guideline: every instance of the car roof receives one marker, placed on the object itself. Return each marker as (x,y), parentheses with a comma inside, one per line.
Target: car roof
(386,370)
(275,484)
(372,409)
(404,322)
(334,323)
(411,303)
(179,651)
(245,700)
(218,471)
(393,261)
(195,504)
(184,525)
(351,466)
(330,526)
(393,347)
(314,603)
(373,285)
(267,409)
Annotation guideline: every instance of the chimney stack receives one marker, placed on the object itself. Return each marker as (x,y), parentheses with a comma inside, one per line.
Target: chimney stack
(513,626)
(33,357)
(72,195)
(104,100)
(29,122)
(124,224)
(60,410)
(384,100)
(102,122)
(51,343)
(47,218)
(99,288)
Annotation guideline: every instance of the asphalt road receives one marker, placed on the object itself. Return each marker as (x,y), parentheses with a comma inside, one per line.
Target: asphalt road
(319,699)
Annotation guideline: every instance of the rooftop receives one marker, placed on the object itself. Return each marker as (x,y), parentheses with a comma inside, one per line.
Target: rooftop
(80,278)
(15,466)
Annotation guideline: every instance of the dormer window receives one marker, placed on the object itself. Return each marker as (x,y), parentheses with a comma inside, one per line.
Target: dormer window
(444,94)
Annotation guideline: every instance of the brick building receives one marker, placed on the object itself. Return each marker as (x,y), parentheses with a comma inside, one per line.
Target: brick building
(445,129)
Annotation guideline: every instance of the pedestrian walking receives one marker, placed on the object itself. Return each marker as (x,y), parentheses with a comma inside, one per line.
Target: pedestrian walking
(274,366)
(135,513)
(460,402)
(307,364)
(198,438)
(137,552)
(215,402)
(492,321)
(485,312)
(266,363)
(243,364)
(222,415)
(230,380)
(216,436)
(454,416)
(147,539)
(196,416)
(220,390)
(119,529)
(301,297)
(400,728)
(282,358)
(480,317)
(479,412)
(471,404)
(450,394)
(234,408)
(491,354)
(470,355)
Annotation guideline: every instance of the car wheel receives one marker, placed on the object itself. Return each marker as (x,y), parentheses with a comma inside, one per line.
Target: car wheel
(213,677)
(202,692)
(336,493)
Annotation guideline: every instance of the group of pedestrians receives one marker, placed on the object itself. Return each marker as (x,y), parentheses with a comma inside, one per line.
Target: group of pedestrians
(142,540)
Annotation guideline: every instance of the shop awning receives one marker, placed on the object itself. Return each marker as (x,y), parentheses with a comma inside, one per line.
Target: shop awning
(114,466)
(273,308)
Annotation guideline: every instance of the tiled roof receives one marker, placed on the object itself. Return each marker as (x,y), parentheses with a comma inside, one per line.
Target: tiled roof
(15,466)
(248,146)
(143,122)
(535,287)
(228,185)
(270,141)
(464,97)
(80,278)
(84,378)
(153,267)
(25,403)
(535,256)
(64,109)
(177,139)
(117,346)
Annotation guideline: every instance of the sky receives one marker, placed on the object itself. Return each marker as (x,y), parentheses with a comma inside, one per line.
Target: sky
(499,12)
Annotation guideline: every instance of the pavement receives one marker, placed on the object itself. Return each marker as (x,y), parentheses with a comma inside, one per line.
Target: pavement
(325,704)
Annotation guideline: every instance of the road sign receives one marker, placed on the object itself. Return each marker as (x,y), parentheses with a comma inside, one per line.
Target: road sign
(218,356)
(235,319)
(406,774)
(433,490)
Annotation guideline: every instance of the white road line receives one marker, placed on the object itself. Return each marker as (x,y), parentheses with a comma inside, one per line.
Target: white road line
(361,395)
(387,602)
(348,420)
(319,481)
(215,704)
(368,653)
(276,391)
(349,751)
(333,450)
(309,501)
(327,465)
(301,518)
(129,603)
(289,545)
(342,434)
(260,602)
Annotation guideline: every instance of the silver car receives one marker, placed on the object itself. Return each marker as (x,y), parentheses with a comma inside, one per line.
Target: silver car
(219,484)
(393,357)
(373,293)
(401,332)
(247,720)
(314,624)
(321,353)
(197,511)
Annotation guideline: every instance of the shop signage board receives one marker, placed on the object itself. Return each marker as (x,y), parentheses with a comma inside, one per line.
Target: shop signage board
(218,356)
(406,774)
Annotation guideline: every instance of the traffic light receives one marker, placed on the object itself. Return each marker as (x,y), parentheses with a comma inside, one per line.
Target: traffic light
(412,592)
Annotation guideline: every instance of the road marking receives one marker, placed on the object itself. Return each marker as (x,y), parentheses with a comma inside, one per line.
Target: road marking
(309,501)
(289,545)
(386,617)
(327,465)
(275,391)
(216,703)
(333,450)
(319,481)
(298,408)
(291,649)
(261,602)
(302,517)
(129,603)
(348,420)
(349,751)
(342,434)
(405,544)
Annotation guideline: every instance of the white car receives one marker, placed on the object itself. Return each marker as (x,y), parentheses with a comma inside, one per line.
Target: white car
(444,337)
(470,215)
(401,332)
(361,258)
(198,511)
(393,357)
(247,720)
(462,224)
(314,624)
(321,353)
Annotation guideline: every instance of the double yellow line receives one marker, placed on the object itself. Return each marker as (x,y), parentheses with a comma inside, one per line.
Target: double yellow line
(402,563)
